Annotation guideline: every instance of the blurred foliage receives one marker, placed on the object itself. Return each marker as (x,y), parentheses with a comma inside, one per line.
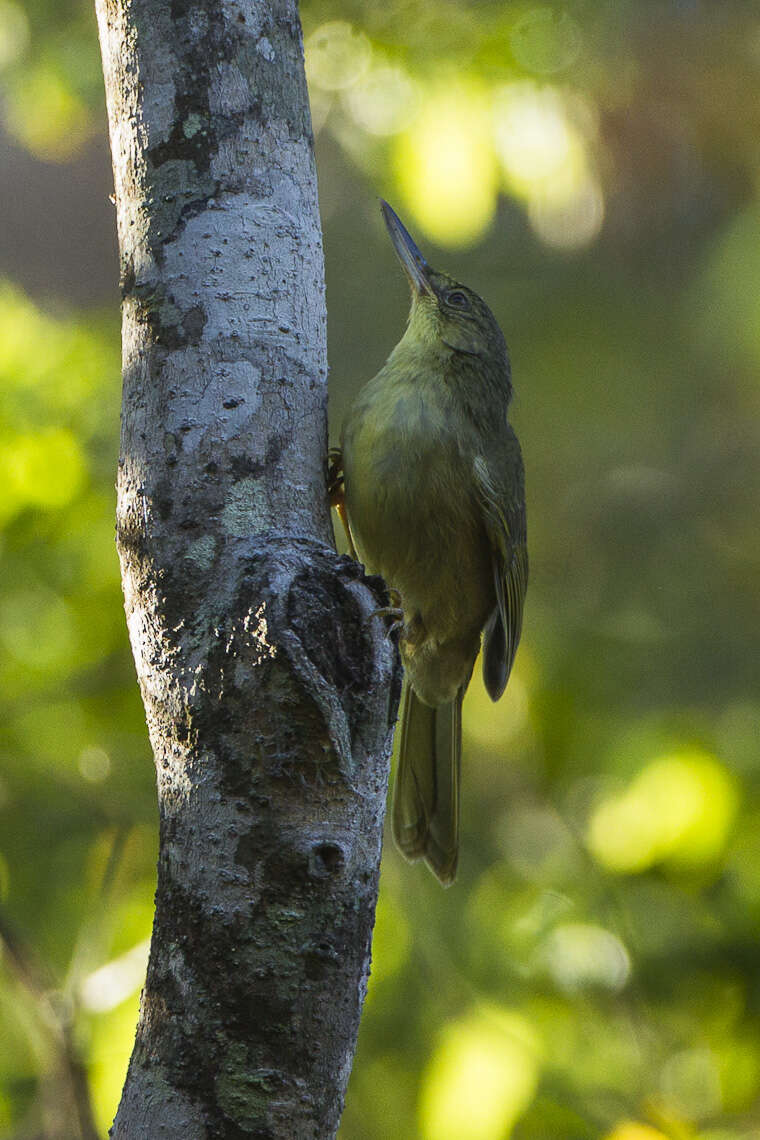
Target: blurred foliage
(592,169)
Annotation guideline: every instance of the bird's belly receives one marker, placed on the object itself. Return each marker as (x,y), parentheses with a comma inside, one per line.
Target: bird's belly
(415,521)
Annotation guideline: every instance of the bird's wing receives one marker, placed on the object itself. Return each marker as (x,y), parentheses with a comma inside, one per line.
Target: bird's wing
(503,505)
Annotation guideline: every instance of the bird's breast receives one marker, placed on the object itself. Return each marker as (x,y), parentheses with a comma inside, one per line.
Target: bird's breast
(412,506)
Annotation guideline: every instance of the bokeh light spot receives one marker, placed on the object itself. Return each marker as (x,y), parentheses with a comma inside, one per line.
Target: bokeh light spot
(568,216)
(545,162)
(336,56)
(384,101)
(690,1084)
(46,115)
(14,32)
(119,979)
(545,41)
(446,166)
(679,809)
(534,136)
(94,764)
(580,956)
(41,469)
(538,844)
(481,1078)
(632,1130)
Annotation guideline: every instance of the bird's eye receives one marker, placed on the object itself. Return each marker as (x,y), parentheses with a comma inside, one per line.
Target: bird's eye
(457,300)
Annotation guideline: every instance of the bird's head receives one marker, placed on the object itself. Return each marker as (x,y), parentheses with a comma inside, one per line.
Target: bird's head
(443,310)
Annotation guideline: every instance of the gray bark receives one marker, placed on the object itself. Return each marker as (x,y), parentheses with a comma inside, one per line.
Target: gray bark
(270,693)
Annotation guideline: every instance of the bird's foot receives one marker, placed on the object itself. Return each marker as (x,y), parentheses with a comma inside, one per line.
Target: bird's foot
(393,614)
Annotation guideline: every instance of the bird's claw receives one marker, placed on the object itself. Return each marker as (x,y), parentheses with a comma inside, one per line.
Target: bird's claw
(392,613)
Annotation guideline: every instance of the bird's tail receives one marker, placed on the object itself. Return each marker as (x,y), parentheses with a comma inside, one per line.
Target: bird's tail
(426,794)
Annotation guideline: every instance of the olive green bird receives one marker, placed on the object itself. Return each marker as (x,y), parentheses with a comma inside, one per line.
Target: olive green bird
(434,492)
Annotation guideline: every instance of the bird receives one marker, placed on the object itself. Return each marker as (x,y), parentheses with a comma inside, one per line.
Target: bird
(431,488)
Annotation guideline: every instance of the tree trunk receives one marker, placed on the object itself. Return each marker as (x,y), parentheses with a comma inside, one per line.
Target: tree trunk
(269,691)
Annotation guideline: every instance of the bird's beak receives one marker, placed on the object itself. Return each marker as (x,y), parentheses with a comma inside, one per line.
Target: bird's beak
(415,266)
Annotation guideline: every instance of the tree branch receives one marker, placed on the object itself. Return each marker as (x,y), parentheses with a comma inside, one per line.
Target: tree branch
(270,695)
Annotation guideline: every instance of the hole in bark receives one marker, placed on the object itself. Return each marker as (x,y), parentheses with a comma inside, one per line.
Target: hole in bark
(328,859)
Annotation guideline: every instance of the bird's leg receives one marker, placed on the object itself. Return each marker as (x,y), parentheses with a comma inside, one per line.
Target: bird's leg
(336,492)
